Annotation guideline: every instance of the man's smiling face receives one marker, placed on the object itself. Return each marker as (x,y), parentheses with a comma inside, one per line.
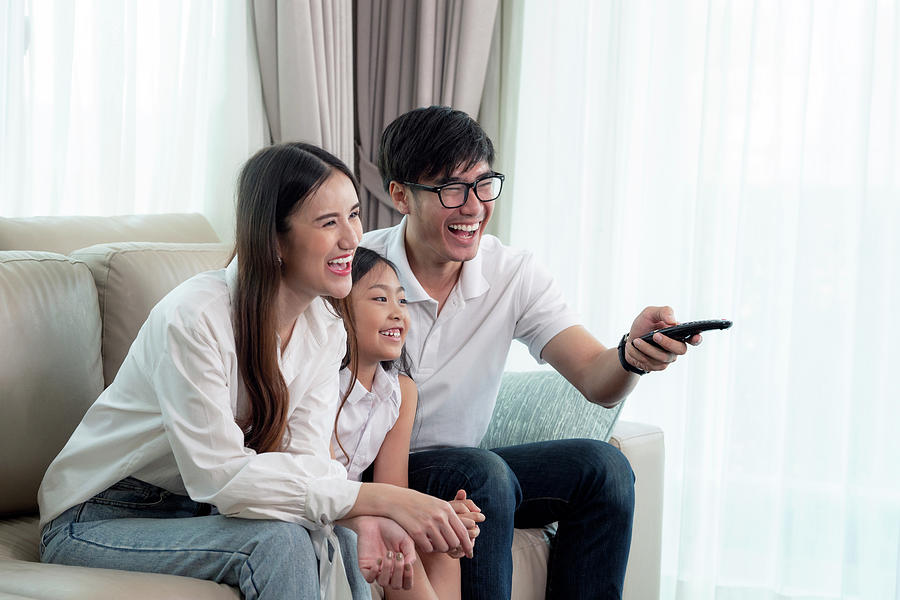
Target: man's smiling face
(448,234)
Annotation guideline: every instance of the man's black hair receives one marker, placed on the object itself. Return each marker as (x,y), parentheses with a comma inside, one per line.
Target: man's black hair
(431,143)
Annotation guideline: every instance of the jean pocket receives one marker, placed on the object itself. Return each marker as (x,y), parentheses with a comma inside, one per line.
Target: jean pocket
(131,493)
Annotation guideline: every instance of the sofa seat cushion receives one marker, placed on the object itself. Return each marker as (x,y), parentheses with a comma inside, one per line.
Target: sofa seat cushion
(20,538)
(59,582)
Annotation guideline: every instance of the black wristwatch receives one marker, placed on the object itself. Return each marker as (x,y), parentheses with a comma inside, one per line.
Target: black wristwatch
(625,364)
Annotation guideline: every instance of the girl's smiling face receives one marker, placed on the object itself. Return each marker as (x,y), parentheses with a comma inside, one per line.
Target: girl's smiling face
(380,315)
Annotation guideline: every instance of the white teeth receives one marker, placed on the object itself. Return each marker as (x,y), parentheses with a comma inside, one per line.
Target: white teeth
(341,261)
(394,333)
(469,228)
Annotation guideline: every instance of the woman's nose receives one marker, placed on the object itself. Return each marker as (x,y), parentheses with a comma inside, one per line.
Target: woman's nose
(350,236)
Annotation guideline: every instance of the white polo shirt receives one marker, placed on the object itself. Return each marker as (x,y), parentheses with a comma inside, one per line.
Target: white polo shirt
(458,355)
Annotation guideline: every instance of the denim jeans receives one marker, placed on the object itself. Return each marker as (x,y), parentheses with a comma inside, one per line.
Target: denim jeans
(136,526)
(586,485)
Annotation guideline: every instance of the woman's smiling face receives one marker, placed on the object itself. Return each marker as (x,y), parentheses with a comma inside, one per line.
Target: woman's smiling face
(323,233)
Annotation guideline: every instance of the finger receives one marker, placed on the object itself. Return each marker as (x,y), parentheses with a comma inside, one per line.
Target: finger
(695,341)
(462,534)
(445,538)
(407,576)
(670,345)
(664,314)
(384,575)
(397,575)
(645,352)
(423,541)
(409,551)
(370,572)
(460,495)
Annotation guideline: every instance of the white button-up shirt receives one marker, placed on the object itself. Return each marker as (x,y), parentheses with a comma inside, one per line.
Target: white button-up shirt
(458,355)
(169,417)
(366,419)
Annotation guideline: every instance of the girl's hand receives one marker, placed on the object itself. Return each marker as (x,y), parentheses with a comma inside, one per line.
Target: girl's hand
(469,513)
(432,523)
(385,553)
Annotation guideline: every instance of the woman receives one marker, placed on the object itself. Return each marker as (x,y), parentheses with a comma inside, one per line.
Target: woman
(224,408)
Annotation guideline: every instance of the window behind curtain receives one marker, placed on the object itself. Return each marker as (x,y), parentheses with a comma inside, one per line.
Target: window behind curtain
(736,160)
(114,107)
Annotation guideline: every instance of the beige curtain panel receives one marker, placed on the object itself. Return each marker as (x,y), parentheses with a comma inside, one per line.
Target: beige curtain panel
(305,60)
(412,53)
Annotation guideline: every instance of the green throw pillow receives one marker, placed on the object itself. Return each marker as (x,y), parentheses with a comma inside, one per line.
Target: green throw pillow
(541,405)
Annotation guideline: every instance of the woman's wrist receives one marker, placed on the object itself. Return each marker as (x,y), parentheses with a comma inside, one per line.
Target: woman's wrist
(374,499)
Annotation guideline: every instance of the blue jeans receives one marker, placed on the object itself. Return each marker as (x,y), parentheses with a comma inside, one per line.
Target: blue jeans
(586,485)
(136,526)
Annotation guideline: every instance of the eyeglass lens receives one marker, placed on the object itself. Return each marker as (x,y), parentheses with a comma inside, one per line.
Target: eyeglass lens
(486,189)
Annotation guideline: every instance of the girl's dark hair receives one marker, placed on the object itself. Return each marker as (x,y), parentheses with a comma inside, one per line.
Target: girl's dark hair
(273,184)
(364,260)
(429,142)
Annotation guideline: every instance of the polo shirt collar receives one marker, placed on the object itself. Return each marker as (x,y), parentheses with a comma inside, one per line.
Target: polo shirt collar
(472,282)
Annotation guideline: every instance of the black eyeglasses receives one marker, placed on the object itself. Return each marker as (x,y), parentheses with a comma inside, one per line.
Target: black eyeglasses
(453,195)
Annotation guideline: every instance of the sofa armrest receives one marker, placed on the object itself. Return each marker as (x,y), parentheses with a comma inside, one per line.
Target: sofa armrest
(644,448)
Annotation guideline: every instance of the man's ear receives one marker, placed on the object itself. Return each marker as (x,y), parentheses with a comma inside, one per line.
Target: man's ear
(398,195)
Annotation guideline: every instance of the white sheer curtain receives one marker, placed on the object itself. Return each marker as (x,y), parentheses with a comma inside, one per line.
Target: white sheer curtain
(739,160)
(126,106)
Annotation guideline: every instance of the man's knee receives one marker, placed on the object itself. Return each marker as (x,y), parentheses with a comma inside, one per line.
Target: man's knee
(610,472)
(485,477)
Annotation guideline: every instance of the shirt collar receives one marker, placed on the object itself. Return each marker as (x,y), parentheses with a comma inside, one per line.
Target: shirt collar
(382,386)
(231,275)
(472,282)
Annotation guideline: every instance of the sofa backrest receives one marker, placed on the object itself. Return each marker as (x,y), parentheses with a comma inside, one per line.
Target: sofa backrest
(50,371)
(65,234)
(131,277)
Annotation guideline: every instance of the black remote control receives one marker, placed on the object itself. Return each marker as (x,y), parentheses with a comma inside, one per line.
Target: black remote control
(684,331)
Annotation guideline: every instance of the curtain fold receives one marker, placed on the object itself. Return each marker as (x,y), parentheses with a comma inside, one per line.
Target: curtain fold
(736,160)
(413,53)
(305,57)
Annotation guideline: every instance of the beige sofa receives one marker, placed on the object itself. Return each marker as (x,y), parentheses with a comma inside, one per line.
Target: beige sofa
(69,309)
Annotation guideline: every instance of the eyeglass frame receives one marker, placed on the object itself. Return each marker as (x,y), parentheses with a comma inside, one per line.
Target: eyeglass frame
(468,186)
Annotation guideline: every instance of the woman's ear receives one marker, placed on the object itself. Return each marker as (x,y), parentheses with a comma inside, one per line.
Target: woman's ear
(398,195)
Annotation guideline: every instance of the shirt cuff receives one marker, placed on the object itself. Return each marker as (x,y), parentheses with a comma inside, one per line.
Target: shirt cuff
(330,498)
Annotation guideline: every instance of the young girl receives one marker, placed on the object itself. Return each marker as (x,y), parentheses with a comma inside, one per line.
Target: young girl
(208,456)
(378,405)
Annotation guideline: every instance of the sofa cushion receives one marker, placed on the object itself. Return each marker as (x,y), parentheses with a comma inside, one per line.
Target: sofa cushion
(541,405)
(131,277)
(64,234)
(51,370)
(60,582)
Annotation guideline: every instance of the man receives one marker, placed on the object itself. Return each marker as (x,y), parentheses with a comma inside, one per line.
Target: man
(469,297)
